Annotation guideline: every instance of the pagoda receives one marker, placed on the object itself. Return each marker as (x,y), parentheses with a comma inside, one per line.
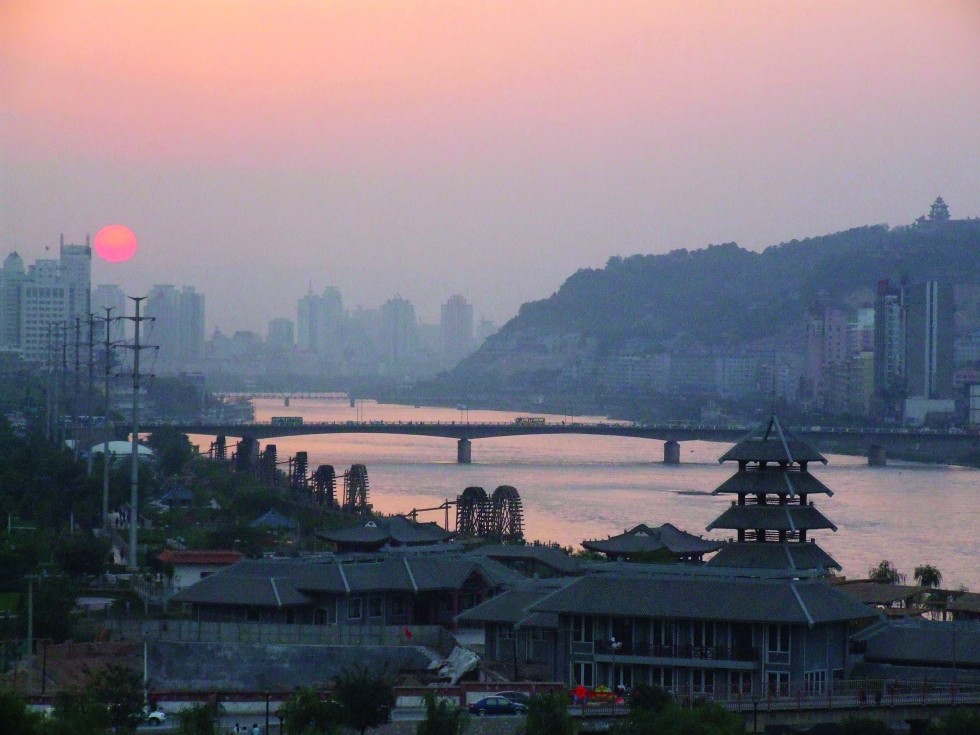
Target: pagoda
(772,514)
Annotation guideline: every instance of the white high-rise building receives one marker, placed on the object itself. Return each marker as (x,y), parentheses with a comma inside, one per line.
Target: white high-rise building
(46,298)
(320,323)
(178,325)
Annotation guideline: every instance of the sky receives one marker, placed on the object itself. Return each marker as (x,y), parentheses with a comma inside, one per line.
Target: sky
(487,148)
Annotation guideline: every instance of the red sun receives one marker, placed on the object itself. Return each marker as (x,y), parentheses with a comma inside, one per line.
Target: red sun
(115,243)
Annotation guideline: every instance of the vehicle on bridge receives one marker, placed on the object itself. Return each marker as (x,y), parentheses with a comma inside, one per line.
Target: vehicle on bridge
(287,421)
(529,420)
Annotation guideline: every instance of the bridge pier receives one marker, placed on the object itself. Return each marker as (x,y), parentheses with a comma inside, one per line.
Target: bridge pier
(877,457)
(672,452)
(464,451)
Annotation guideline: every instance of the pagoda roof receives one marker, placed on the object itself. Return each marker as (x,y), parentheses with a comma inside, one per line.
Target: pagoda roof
(643,539)
(772,480)
(770,442)
(790,555)
(376,530)
(771,517)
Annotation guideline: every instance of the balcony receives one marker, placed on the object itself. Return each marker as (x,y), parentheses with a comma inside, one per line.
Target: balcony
(643,649)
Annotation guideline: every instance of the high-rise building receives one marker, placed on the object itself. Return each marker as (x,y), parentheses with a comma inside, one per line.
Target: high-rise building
(399,333)
(456,323)
(929,311)
(280,336)
(46,297)
(889,346)
(178,325)
(320,323)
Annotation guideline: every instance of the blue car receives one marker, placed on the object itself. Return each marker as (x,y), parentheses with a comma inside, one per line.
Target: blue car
(496,706)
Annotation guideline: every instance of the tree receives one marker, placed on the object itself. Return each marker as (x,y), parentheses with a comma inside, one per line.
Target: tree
(706,718)
(82,554)
(441,718)
(650,698)
(306,712)
(366,697)
(863,726)
(885,573)
(15,717)
(960,721)
(547,714)
(200,719)
(78,712)
(172,448)
(927,575)
(120,690)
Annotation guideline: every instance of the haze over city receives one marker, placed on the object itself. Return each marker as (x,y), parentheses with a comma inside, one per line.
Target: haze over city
(433,148)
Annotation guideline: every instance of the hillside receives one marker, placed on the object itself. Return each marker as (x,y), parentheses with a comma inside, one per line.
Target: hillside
(721,297)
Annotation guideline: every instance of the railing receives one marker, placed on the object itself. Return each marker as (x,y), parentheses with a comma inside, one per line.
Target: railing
(851,694)
(194,631)
(683,651)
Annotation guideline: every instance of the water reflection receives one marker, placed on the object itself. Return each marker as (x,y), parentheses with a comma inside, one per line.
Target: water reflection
(578,487)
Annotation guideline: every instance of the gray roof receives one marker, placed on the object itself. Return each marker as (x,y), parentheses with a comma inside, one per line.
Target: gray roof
(702,597)
(643,538)
(512,606)
(967,602)
(917,641)
(879,593)
(380,530)
(770,442)
(772,480)
(772,555)
(771,517)
(249,581)
(545,555)
(272,518)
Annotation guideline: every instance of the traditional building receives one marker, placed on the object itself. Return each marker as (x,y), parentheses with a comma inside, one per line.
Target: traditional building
(772,514)
(643,543)
(373,533)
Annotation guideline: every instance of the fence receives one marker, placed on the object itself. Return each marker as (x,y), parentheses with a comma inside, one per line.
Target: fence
(432,636)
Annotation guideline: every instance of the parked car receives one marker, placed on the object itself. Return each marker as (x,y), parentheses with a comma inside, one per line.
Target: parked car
(515,697)
(496,706)
(156,717)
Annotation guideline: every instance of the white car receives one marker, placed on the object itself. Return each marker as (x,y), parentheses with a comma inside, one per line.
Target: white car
(156,717)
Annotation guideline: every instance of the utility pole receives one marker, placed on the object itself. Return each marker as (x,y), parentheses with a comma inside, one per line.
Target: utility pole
(78,378)
(90,396)
(109,319)
(134,472)
(30,635)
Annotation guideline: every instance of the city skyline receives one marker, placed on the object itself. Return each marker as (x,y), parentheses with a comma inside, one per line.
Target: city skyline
(470,149)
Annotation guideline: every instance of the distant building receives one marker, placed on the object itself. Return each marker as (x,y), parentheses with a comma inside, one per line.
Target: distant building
(399,335)
(320,323)
(178,325)
(889,347)
(929,312)
(456,323)
(280,335)
(46,297)
(113,297)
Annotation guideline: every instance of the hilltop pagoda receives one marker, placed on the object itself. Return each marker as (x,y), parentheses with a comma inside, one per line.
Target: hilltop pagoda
(772,514)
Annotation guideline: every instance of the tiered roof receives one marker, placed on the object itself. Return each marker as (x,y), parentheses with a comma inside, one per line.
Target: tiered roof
(772,515)
(373,532)
(643,539)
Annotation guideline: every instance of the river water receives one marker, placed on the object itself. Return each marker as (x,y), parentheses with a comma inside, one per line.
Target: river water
(586,487)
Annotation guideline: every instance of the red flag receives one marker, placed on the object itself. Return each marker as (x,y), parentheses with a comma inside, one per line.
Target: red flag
(408,634)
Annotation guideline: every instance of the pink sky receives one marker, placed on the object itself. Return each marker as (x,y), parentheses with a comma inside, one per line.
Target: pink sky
(485,148)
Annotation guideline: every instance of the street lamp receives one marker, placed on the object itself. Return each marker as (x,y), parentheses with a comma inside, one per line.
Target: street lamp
(615,646)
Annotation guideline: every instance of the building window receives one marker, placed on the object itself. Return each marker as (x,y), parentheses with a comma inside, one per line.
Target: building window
(375,607)
(777,683)
(354,608)
(815,682)
(505,633)
(703,681)
(741,682)
(397,606)
(582,630)
(778,649)
(583,673)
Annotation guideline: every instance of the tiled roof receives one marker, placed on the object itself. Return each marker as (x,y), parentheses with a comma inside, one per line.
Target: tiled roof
(877,593)
(379,530)
(967,602)
(771,517)
(512,606)
(772,480)
(198,556)
(545,555)
(917,641)
(643,538)
(789,556)
(245,582)
(695,597)
(771,442)
(274,519)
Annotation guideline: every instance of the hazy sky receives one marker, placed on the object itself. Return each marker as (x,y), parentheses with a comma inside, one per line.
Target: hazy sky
(469,146)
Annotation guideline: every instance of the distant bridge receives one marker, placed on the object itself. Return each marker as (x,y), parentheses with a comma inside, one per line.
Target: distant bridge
(878,442)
